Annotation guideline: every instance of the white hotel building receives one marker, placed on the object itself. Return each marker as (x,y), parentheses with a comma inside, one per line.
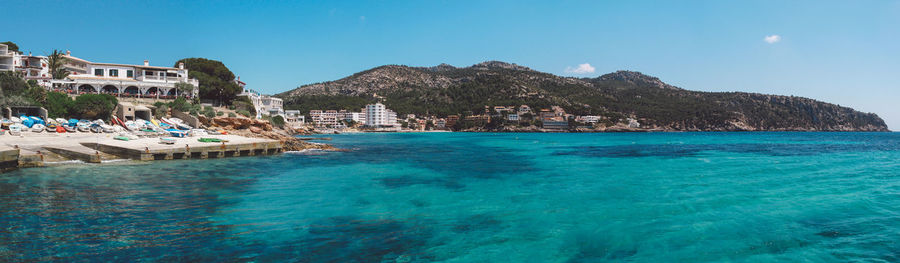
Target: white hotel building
(263,104)
(379,116)
(125,80)
(31,67)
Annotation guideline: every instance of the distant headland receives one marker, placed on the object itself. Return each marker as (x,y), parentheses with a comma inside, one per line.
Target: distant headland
(500,96)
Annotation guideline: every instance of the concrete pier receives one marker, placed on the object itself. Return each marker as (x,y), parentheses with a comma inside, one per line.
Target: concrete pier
(35,150)
(9,159)
(185,149)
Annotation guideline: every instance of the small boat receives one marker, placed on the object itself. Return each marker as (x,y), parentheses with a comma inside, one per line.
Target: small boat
(50,127)
(132,125)
(117,122)
(15,129)
(60,129)
(4,123)
(178,123)
(122,138)
(95,128)
(28,122)
(83,126)
(197,132)
(107,128)
(128,135)
(69,128)
(176,133)
(211,140)
(15,119)
(61,121)
(38,128)
(167,140)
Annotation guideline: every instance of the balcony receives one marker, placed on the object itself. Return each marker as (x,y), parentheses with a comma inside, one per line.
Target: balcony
(6,66)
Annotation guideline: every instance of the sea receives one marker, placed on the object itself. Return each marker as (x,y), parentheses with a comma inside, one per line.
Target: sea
(476,197)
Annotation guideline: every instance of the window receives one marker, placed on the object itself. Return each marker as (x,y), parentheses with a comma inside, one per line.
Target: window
(113,72)
(98,72)
(129,73)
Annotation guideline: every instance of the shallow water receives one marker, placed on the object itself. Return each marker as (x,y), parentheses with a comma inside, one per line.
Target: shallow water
(477,197)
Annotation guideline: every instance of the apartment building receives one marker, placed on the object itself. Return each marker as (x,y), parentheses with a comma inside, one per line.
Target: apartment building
(126,79)
(379,116)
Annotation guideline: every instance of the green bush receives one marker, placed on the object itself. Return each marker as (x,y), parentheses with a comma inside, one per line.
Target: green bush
(162,110)
(243,103)
(180,104)
(11,84)
(94,106)
(10,101)
(220,113)
(37,95)
(231,114)
(278,121)
(209,114)
(58,105)
(244,112)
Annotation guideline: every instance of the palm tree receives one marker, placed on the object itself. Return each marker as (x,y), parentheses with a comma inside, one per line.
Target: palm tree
(55,63)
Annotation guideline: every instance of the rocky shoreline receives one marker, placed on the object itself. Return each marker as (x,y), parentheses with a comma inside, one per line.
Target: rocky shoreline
(255,128)
(615,129)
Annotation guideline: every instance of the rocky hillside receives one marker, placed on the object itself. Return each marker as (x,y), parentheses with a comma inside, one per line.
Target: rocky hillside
(444,90)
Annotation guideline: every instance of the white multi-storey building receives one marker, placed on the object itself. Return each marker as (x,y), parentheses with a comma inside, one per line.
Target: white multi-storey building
(7,58)
(271,105)
(263,104)
(376,115)
(126,80)
(379,116)
(588,119)
(328,118)
(34,68)
(294,116)
(357,117)
(31,67)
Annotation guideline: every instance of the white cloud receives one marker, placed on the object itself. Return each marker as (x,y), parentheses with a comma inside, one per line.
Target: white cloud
(772,39)
(581,69)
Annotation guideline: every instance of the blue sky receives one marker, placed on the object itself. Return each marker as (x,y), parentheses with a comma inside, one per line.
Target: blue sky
(844,52)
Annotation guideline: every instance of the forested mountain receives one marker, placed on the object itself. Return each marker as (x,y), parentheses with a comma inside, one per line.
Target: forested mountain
(443,90)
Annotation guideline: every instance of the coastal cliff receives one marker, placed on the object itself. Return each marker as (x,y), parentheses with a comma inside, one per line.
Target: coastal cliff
(616,97)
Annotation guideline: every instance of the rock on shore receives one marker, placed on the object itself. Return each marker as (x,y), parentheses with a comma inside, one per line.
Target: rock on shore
(263,129)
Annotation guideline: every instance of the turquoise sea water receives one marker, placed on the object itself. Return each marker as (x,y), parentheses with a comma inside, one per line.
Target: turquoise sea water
(477,197)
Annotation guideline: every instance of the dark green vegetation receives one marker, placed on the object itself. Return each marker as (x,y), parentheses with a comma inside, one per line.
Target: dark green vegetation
(55,62)
(93,106)
(216,81)
(446,90)
(11,46)
(243,104)
(16,92)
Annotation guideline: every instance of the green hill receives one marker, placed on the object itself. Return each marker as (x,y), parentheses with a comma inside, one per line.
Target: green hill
(443,90)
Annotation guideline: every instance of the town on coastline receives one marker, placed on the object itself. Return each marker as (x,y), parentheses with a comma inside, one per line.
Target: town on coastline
(59,107)
(376,117)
